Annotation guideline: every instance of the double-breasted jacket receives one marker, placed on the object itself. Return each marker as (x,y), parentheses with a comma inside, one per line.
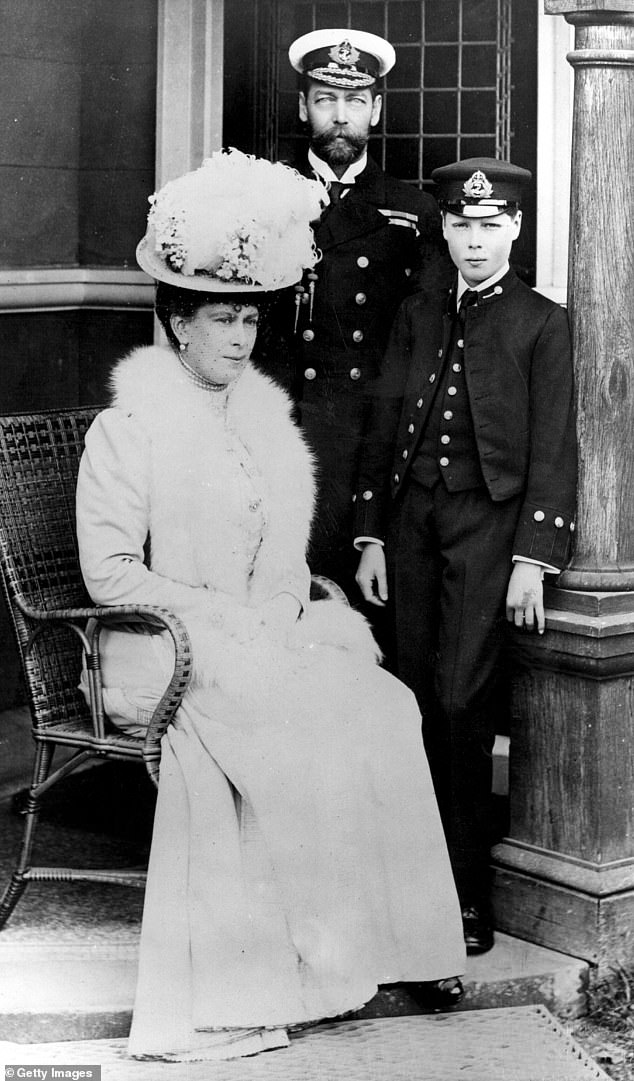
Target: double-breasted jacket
(519,381)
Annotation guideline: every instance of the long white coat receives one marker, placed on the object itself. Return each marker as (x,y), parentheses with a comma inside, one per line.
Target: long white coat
(297,859)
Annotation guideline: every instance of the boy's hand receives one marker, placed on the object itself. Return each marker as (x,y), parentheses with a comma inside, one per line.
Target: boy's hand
(525,597)
(371,576)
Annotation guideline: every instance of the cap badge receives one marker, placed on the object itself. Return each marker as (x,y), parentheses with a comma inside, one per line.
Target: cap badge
(477,186)
(344,54)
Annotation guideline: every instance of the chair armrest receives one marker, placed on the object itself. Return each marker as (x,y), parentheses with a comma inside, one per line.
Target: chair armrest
(87,623)
(324,589)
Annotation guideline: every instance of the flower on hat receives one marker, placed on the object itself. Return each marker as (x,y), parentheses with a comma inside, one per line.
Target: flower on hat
(238,219)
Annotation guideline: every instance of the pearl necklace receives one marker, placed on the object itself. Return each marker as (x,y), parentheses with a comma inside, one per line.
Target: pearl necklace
(200,380)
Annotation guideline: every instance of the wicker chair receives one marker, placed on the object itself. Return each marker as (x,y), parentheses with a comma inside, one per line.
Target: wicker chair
(54,621)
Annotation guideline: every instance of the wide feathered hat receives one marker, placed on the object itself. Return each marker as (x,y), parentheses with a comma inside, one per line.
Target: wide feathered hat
(236,224)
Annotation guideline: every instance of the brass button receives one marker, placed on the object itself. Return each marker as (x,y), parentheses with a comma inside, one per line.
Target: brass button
(448,415)
(451,391)
(445,439)
(310,373)
(363,261)
(357,335)
(404,455)
(444,461)
(367,495)
(410,428)
(432,377)
(355,373)
(439,353)
(539,516)
(572,527)
(457,367)
(360,298)
(396,478)
(559,523)
(308,335)
(419,403)
(460,343)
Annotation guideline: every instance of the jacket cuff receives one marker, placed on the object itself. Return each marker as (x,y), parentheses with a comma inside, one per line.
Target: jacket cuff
(544,534)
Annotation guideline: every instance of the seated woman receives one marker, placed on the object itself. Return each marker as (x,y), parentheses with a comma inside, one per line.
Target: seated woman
(297,859)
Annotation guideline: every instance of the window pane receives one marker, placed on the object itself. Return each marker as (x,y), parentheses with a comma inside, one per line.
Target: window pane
(364,16)
(441,66)
(478,65)
(437,152)
(404,20)
(401,158)
(440,113)
(441,21)
(478,111)
(331,14)
(406,72)
(479,20)
(477,148)
(402,113)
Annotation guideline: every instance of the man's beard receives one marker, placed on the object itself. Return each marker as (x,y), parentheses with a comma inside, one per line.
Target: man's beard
(338,147)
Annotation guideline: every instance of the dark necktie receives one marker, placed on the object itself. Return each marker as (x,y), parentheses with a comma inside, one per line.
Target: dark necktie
(336,190)
(468,298)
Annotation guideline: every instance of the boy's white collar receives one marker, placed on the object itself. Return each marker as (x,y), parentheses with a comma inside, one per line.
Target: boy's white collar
(481,286)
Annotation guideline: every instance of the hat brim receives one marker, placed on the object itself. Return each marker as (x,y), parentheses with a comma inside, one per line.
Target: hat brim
(151,262)
(360,39)
(477,210)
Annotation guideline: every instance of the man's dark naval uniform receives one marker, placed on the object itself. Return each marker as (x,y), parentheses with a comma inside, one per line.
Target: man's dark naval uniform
(470,461)
(379,239)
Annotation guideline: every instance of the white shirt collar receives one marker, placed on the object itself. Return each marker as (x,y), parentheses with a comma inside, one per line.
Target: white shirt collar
(481,286)
(325,172)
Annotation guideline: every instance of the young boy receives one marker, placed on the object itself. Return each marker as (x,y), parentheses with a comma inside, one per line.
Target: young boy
(466,496)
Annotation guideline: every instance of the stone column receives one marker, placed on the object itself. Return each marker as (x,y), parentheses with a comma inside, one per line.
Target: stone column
(565,874)
(189,91)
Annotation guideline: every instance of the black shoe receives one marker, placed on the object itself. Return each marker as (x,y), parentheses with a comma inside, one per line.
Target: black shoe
(437,994)
(478,929)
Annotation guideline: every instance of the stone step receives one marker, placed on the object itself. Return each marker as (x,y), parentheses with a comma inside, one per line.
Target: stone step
(51,992)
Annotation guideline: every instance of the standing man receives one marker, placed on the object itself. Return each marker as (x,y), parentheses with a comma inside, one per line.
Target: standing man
(467,495)
(378,238)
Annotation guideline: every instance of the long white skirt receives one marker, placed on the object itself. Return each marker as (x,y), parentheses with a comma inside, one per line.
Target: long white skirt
(297,860)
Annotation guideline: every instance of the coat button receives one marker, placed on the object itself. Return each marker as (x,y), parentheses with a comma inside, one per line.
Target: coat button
(308,335)
(451,391)
(444,461)
(363,261)
(254,504)
(360,298)
(460,343)
(447,414)
(439,353)
(572,527)
(456,367)
(405,455)
(539,516)
(367,495)
(432,377)
(357,335)
(310,373)
(419,403)
(396,478)
(445,439)
(410,428)
(355,373)
(559,523)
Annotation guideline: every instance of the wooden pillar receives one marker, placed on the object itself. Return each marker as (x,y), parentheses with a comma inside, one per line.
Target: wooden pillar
(565,874)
